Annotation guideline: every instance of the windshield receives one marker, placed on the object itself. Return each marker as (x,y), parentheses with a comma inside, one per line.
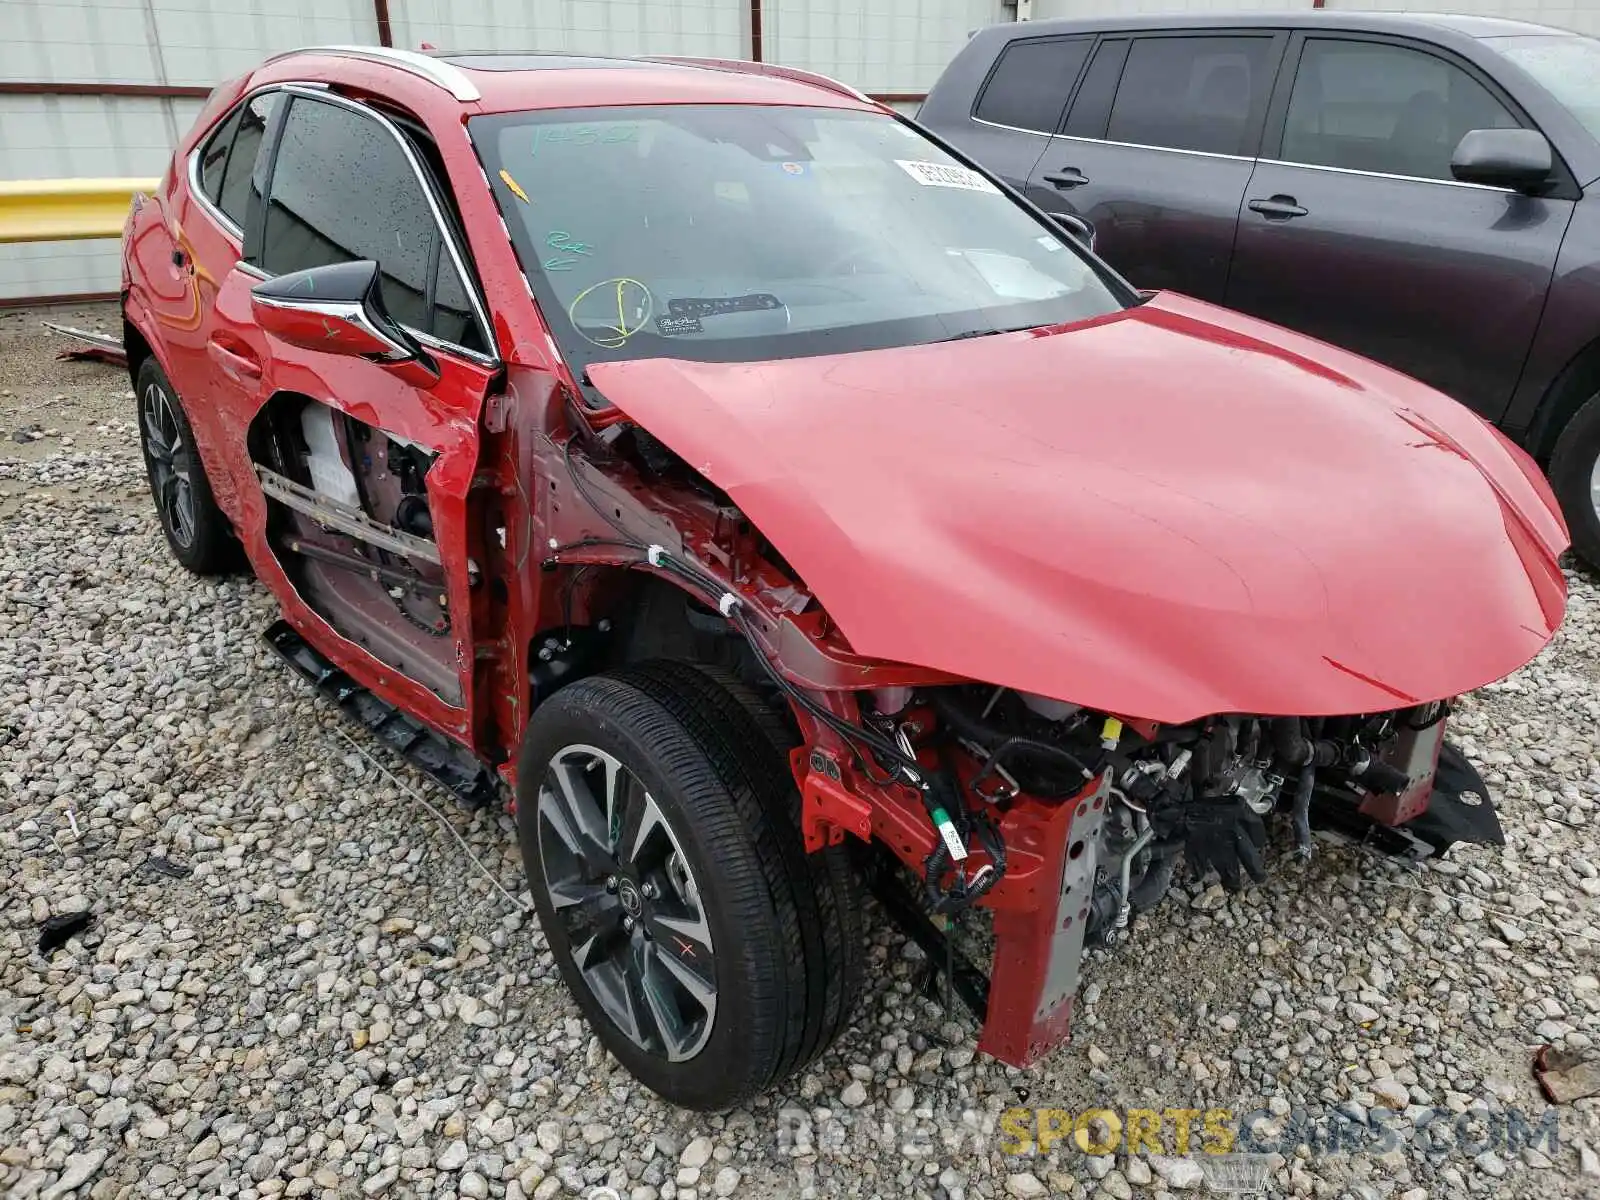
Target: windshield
(1568,67)
(732,233)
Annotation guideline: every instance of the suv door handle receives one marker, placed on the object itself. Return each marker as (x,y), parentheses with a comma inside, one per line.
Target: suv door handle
(1278,208)
(1067,177)
(237,366)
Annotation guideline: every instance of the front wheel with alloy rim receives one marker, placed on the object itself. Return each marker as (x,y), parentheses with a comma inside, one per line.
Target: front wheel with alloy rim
(196,529)
(1575,479)
(659,830)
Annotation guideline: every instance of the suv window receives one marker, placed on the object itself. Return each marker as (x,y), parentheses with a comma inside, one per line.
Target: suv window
(1030,83)
(343,189)
(1191,93)
(234,197)
(229,155)
(214,155)
(1370,106)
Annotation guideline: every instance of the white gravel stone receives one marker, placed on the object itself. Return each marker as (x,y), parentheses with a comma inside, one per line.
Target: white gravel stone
(697,1153)
(1179,1174)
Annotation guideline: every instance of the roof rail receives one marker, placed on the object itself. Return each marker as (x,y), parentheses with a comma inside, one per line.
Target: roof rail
(814,78)
(451,79)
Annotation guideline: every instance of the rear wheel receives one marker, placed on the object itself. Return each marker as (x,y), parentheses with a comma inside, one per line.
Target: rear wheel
(659,830)
(1575,478)
(196,529)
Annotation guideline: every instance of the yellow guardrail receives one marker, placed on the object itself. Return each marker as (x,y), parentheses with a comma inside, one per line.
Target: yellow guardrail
(54,210)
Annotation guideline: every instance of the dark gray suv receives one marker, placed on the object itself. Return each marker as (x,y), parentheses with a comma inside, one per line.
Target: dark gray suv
(1424,190)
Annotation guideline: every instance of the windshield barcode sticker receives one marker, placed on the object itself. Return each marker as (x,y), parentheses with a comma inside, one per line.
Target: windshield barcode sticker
(946,175)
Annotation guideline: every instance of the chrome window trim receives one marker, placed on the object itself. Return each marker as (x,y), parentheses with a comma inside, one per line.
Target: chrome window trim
(1014,128)
(1479,187)
(434,343)
(480,311)
(1275,162)
(193,167)
(1071,137)
(204,201)
(442,74)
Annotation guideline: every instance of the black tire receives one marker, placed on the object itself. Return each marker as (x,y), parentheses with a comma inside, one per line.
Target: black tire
(196,529)
(782,924)
(1573,478)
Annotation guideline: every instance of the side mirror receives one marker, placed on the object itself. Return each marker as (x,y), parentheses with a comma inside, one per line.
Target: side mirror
(1511,158)
(339,309)
(1076,228)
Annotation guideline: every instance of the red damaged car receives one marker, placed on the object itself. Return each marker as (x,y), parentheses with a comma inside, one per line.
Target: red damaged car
(782,507)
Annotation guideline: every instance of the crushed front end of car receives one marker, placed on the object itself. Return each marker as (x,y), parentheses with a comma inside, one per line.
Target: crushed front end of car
(1045,645)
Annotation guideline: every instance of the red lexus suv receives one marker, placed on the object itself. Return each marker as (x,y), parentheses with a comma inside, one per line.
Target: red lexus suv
(772,505)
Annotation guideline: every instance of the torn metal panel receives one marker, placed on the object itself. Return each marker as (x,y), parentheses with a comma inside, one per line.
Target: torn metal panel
(98,347)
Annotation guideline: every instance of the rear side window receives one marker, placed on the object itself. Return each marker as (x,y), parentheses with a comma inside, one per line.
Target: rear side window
(1368,106)
(1031,82)
(255,117)
(1192,93)
(343,190)
(214,157)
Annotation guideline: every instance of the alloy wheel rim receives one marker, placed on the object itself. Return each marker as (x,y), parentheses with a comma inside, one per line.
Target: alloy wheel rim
(1594,486)
(170,463)
(628,902)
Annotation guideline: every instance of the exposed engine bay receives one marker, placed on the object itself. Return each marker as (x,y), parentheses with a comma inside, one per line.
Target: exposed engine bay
(1199,793)
(1062,821)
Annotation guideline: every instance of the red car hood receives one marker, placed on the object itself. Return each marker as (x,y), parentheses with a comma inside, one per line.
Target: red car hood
(1165,513)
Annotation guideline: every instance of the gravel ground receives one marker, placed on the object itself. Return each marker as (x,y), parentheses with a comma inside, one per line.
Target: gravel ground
(297,982)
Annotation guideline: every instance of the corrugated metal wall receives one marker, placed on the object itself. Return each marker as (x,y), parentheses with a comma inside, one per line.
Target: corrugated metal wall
(160,56)
(704,27)
(894,47)
(133,45)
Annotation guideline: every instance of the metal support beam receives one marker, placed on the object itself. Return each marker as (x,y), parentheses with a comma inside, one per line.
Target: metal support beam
(48,87)
(380,14)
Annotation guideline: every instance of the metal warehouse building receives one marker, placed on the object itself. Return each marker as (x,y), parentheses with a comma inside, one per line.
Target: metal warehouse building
(97,88)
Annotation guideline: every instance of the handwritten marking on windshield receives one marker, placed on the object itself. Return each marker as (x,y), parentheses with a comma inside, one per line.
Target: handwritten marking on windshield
(582,135)
(633,304)
(560,240)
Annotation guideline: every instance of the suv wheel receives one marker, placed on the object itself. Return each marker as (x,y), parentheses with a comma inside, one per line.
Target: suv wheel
(660,833)
(196,529)
(1575,477)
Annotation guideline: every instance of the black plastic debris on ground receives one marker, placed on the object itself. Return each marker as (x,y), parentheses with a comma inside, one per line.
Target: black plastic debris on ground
(157,866)
(54,932)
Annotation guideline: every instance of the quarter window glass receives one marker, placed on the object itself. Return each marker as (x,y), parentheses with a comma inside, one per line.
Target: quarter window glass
(343,190)
(1191,93)
(256,116)
(1029,87)
(452,314)
(1366,106)
(214,158)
